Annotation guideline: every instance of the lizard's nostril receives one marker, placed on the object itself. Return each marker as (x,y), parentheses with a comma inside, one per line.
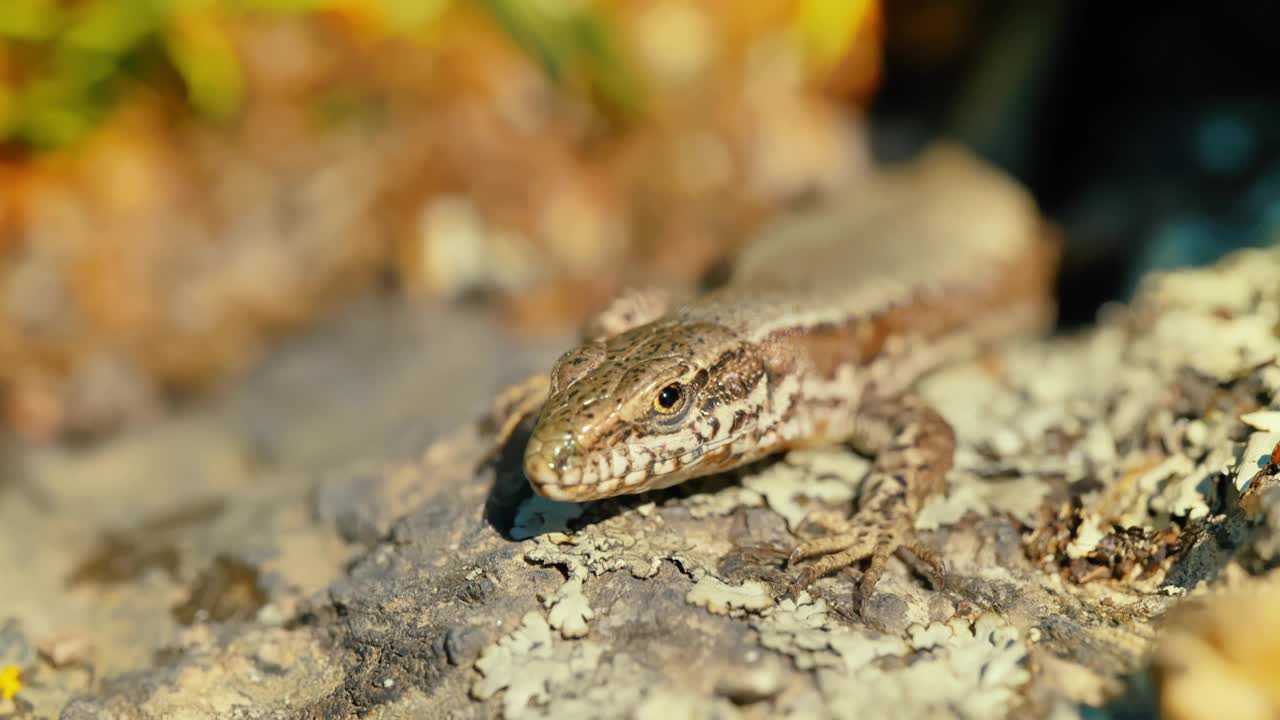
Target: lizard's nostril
(564,448)
(550,460)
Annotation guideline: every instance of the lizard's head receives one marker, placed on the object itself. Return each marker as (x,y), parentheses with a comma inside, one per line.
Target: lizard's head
(644,410)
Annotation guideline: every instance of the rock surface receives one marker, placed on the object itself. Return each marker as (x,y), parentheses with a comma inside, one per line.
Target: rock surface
(1102,480)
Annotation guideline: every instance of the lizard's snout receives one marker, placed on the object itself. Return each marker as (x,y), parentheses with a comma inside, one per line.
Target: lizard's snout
(551,463)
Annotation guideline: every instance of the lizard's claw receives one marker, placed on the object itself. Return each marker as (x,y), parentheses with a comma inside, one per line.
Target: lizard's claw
(861,539)
(913,446)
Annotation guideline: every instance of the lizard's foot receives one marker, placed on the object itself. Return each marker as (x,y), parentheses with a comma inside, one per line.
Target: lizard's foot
(913,446)
(862,537)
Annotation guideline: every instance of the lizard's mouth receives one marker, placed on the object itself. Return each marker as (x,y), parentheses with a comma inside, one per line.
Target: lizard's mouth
(556,477)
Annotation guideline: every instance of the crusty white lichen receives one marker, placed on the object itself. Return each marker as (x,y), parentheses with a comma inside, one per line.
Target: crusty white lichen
(974,670)
(964,668)
(809,480)
(807,631)
(1256,456)
(722,598)
(569,611)
(498,662)
(1097,410)
(662,703)
(636,540)
(723,502)
(531,666)
(1020,498)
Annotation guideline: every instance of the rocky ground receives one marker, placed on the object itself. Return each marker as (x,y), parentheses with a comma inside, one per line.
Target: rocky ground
(329,540)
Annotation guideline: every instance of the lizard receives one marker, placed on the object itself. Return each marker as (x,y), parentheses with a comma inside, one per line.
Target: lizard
(827,320)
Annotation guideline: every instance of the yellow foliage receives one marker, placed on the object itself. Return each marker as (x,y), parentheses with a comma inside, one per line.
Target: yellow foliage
(10,681)
(205,57)
(827,27)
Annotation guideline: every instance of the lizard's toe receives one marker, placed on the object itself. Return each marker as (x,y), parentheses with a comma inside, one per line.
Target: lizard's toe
(864,540)
(875,568)
(829,544)
(932,562)
(833,552)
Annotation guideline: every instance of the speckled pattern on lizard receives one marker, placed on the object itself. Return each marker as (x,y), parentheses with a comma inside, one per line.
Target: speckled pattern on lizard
(827,320)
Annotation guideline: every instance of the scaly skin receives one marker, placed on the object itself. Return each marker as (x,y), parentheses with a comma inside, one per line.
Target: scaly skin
(827,321)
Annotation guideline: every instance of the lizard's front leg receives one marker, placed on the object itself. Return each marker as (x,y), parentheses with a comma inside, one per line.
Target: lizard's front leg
(913,448)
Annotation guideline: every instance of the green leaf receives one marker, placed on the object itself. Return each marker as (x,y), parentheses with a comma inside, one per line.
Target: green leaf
(8,113)
(603,63)
(29,20)
(61,106)
(284,6)
(408,15)
(532,30)
(113,26)
(571,42)
(205,56)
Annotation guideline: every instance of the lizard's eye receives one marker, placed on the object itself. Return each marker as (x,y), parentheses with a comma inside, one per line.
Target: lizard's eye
(669,399)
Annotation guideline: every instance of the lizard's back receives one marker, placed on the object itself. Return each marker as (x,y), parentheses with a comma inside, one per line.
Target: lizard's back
(930,233)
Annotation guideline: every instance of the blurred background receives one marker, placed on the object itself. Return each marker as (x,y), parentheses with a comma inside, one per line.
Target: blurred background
(255,252)
(186,183)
